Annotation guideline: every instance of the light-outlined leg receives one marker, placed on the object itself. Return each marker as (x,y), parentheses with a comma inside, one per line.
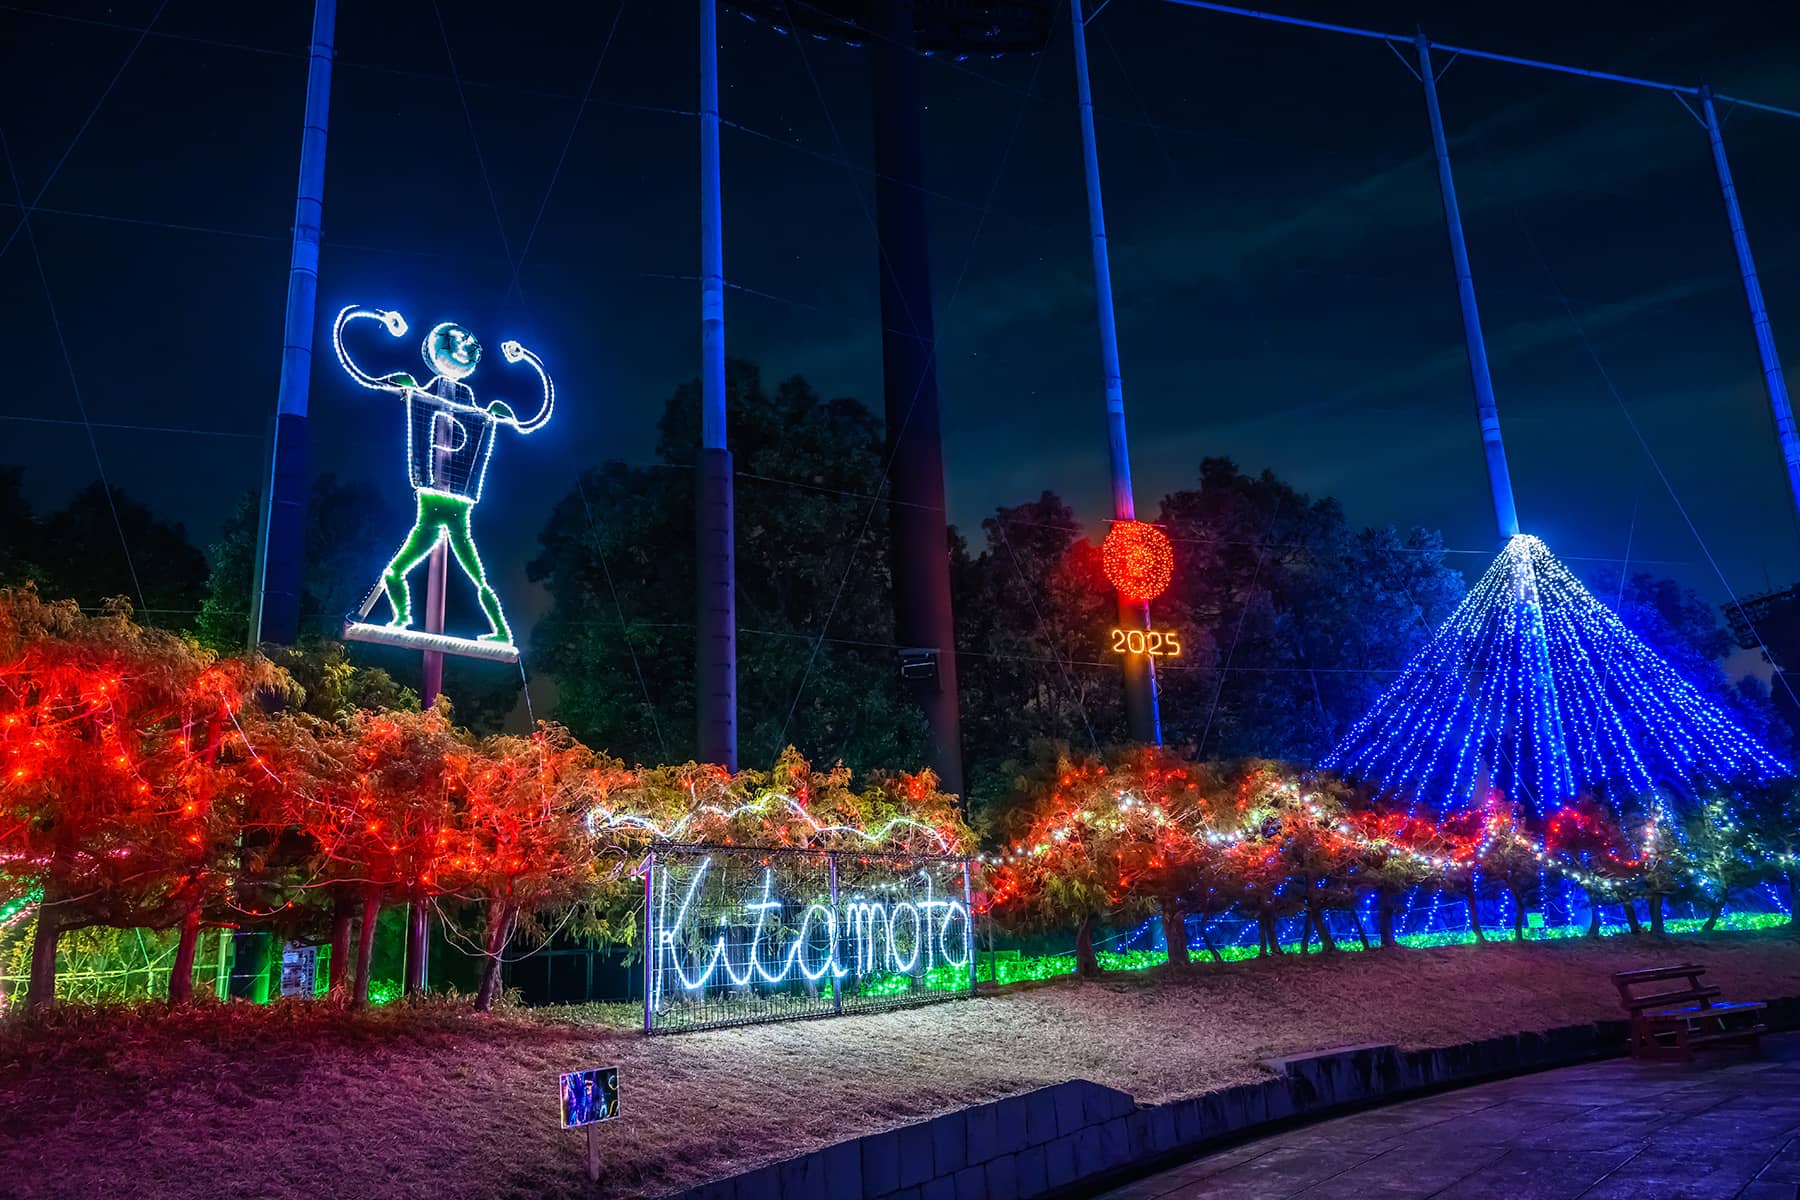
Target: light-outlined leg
(456,527)
(424,537)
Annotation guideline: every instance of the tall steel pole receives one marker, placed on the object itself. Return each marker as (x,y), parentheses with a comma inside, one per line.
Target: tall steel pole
(1773,380)
(1141,713)
(281,524)
(1506,516)
(919,550)
(716,584)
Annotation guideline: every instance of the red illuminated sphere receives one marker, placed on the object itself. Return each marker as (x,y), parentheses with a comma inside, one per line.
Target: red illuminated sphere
(1138,559)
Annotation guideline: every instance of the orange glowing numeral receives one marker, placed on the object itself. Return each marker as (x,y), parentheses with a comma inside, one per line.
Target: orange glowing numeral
(1155,642)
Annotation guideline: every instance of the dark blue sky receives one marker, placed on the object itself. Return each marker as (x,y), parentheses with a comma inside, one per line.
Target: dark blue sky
(1285,294)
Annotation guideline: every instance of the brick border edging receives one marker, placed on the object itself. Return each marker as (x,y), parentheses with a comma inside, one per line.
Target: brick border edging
(1078,1135)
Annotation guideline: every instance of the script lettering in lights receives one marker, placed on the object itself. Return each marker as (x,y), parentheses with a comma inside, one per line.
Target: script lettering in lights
(738,936)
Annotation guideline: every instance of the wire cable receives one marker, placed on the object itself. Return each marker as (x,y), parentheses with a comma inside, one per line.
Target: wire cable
(930,365)
(563,155)
(88,120)
(62,342)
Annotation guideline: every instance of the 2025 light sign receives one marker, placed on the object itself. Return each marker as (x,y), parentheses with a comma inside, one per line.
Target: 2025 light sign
(739,935)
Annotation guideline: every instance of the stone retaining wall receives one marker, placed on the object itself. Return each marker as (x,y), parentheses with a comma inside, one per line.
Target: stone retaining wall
(1079,1134)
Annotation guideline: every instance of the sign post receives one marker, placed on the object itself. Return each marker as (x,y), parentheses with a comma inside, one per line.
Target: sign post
(588,1098)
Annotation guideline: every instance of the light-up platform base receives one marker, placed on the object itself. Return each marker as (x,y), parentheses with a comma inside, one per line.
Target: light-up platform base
(443,643)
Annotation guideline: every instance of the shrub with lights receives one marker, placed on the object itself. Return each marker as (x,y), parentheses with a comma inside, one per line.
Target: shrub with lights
(149,785)
(1123,836)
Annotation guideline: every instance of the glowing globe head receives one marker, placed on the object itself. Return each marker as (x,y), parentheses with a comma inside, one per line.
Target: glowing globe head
(452,350)
(1138,559)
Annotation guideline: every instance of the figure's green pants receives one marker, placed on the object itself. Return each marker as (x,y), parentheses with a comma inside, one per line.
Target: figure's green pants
(442,518)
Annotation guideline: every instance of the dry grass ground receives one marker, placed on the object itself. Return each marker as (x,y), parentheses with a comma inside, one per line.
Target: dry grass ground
(297,1102)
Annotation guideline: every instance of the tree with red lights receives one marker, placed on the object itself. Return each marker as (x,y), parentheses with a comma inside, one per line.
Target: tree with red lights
(1063,866)
(1583,837)
(521,844)
(1510,859)
(112,800)
(1258,875)
(381,825)
(1396,851)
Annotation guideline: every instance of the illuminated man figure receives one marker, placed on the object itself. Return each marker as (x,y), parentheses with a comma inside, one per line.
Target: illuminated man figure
(449,439)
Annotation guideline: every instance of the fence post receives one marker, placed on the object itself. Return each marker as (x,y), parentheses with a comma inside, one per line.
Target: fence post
(837,985)
(649,941)
(969,910)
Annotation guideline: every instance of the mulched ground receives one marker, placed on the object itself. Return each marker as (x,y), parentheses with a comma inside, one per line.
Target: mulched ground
(297,1101)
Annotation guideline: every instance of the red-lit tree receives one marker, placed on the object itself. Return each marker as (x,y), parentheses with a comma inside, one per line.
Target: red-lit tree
(1585,841)
(1061,866)
(382,824)
(110,792)
(1396,851)
(521,843)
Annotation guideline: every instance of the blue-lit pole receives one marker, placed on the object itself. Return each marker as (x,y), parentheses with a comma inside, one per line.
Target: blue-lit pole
(1140,671)
(281,524)
(1506,516)
(1773,380)
(716,633)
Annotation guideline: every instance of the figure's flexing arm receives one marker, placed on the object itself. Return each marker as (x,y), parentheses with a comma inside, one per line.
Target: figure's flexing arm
(512,352)
(395,324)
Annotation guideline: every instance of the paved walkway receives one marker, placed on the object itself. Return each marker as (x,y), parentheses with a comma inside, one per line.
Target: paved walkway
(1725,1128)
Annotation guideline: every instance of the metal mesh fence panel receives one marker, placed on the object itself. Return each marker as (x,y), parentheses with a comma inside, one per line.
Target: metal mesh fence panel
(743,935)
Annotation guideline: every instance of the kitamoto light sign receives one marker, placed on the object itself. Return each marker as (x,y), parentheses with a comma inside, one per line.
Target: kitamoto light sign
(742,935)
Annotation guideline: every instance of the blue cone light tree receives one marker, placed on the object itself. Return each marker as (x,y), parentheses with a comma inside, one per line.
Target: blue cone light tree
(1536,688)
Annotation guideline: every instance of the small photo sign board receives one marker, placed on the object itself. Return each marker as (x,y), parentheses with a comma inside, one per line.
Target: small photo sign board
(588,1098)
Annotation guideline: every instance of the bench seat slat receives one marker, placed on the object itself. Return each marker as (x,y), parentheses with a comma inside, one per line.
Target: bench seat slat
(1654,973)
(1669,999)
(1693,1011)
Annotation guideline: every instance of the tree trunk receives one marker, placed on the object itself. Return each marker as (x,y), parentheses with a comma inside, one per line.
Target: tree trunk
(1305,930)
(1266,921)
(1793,882)
(1714,910)
(343,912)
(1087,963)
(1206,940)
(1384,920)
(1656,915)
(1631,918)
(498,921)
(1316,913)
(418,947)
(1593,929)
(181,975)
(41,992)
(1362,935)
(1518,913)
(1174,923)
(1474,912)
(365,946)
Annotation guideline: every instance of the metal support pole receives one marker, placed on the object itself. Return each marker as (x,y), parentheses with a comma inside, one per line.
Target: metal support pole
(837,985)
(1773,380)
(432,661)
(715,582)
(969,915)
(1506,516)
(652,952)
(919,552)
(281,522)
(1141,713)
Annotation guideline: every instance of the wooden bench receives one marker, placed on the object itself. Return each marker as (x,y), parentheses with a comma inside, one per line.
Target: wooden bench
(1671,1020)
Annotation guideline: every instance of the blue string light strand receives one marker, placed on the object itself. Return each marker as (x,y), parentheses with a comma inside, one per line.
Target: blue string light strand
(1536,688)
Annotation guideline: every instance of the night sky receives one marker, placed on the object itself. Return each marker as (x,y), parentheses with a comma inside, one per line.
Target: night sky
(1284,288)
